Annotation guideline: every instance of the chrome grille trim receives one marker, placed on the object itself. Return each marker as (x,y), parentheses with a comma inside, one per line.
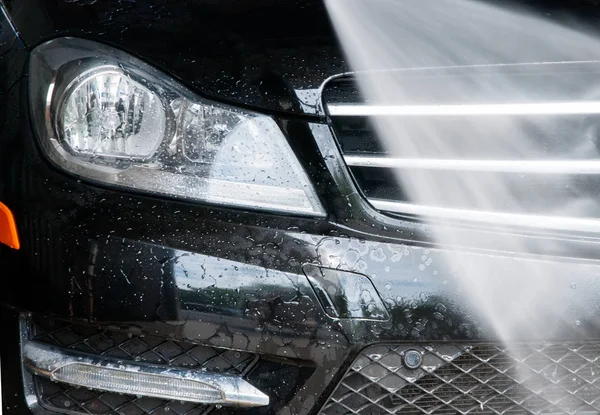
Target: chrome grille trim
(540,176)
(543,108)
(465,165)
(490,378)
(556,223)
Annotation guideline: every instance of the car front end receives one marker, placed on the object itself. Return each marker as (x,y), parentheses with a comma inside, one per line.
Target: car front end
(196,232)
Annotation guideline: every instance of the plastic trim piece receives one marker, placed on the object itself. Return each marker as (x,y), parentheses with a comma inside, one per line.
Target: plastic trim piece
(8,228)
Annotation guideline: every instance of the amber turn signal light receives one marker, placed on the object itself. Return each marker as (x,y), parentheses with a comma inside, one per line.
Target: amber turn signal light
(8,228)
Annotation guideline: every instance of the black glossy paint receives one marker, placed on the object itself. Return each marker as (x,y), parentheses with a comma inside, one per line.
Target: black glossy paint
(228,277)
(272,54)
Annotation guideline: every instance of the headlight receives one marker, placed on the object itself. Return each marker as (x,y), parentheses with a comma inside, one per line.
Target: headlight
(108,117)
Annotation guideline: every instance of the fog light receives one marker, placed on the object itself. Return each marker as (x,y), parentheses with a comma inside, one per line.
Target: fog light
(136,383)
(141,379)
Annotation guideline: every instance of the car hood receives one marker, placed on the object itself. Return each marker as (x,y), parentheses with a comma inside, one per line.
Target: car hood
(266,54)
(272,55)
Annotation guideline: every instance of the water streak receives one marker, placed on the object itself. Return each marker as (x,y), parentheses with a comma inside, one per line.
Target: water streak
(381,36)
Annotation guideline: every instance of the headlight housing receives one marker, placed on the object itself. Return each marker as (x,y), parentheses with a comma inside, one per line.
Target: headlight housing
(108,117)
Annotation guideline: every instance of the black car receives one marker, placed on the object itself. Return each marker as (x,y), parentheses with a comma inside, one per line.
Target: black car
(196,216)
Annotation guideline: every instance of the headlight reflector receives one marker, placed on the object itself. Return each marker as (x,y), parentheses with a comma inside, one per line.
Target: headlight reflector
(108,114)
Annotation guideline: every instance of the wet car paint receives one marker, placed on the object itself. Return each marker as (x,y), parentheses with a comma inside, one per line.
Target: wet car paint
(169,268)
(421,295)
(256,64)
(268,54)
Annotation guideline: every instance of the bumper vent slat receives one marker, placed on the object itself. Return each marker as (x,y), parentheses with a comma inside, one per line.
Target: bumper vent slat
(484,379)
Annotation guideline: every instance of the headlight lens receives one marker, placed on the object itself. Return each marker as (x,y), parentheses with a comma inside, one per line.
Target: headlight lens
(108,117)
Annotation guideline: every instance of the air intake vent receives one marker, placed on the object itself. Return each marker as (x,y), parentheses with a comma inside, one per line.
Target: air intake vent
(483,379)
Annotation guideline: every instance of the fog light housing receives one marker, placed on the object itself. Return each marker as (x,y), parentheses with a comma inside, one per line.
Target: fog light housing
(141,379)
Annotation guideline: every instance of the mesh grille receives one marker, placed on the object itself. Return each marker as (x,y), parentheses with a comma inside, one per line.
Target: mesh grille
(479,379)
(98,341)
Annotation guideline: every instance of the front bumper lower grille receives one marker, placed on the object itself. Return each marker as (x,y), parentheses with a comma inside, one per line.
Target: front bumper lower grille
(541,378)
(98,341)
